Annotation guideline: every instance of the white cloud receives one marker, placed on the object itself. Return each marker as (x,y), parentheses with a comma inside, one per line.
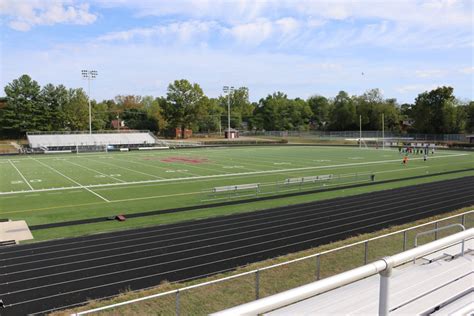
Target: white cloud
(181,32)
(253,33)
(22,15)
(433,73)
(418,88)
(427,13)
(467,70)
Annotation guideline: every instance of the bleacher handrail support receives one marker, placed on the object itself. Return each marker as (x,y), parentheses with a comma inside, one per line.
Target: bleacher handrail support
(257,271)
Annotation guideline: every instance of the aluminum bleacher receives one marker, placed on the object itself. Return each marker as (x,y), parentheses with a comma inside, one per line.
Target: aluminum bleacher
(74,139)
(441,286)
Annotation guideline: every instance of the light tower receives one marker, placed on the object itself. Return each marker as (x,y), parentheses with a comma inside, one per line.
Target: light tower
(89,75)
(228,90)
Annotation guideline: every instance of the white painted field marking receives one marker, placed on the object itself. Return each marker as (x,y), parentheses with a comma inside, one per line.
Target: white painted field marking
(153,166)
(282,163)
(21,175)
(36,180)
(322,160)
(93,170)
(73,181)
(147,174)
(232,167)
(225,175)
(99,176)
(356,158)
(16,182)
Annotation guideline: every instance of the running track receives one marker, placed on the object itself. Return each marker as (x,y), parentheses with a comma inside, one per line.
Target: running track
(39,277)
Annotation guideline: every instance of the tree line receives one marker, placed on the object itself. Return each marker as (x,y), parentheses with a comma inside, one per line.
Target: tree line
(30,107)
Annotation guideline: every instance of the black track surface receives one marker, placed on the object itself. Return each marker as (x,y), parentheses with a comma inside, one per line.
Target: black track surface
(38,277)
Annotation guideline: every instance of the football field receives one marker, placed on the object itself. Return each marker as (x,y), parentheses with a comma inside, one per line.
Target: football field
(53,188)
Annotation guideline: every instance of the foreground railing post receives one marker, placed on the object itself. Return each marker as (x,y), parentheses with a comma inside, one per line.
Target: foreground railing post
(463,220)
(436,232)
(257,284)
(366,252)
(177,303)
(384,291)
(404,240)
(318,267)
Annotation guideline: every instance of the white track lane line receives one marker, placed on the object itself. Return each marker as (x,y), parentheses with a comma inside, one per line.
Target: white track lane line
(21,175)
(215,253)
(73,181)
(171,253)
(358,211)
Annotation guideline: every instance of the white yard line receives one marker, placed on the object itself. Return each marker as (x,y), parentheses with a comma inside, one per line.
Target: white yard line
(117,166)
(21,175)
(73,181)
(172,165)
(216,176)
(93,170)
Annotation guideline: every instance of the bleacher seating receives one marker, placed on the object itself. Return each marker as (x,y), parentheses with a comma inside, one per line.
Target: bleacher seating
(96,139)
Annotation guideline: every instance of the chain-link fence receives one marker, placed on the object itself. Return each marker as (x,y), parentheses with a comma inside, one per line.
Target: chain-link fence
(356,135)
(212,296)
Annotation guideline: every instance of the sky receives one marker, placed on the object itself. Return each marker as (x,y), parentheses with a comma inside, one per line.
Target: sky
(302,48)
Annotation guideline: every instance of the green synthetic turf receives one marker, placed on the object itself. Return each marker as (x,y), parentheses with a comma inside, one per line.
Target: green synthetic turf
(106,184)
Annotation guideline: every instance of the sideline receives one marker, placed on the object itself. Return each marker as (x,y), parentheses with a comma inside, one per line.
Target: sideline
(244,201)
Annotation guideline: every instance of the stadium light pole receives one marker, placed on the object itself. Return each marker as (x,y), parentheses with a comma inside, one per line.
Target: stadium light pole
(383,131)
(228,90)
(89,75)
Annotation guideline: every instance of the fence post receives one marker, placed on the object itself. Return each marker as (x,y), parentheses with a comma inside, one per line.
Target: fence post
(177,303)
(257,284)
(366,252)
(463,220)
(404,240)
(318,267)
(436,232)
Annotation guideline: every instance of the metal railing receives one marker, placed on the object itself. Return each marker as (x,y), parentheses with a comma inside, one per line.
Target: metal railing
(316,264)
(383,267)
(356,134)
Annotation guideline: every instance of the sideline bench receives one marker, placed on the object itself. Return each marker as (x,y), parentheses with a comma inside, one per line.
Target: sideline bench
(311,179)
(233,188)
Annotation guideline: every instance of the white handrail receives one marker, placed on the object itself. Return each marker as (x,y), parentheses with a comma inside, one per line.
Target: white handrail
(269,267)
(380,266)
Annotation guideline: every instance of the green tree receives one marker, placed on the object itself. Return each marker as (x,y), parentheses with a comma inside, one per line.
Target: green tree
(277,112)
(182,106)
(100,115)
(470,117)
(24,110)
(241,109)
(76,111)
(53,100)
(154,110)
(343,114)
(321,108)
(209,115)
(435,112)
